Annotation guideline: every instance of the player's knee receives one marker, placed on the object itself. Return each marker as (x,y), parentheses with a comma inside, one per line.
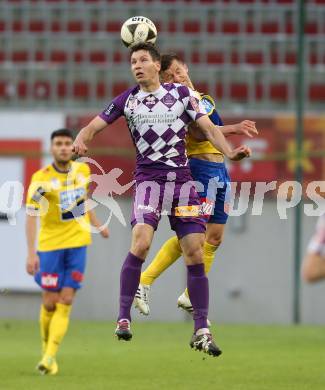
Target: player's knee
(141,248)
(66,299)
(215,240)
(193,256)
(49,305)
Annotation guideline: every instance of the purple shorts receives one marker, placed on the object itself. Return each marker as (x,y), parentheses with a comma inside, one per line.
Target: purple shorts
(171,193)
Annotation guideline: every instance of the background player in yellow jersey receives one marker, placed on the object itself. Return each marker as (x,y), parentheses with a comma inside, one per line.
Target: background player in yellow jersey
(206,162)
(57,194)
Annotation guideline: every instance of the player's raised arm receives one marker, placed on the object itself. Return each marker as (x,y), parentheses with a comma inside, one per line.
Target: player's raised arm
(86,134)
(215,136)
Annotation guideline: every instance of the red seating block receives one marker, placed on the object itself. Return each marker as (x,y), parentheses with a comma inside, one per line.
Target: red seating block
(215,57)
(61,89)
(119,87)
(195,57)
(317,92)
(17,26)
(191,26)
(202,87)
(36,26)
(290,58)
(239,91)
(270,27)
(78,56)
(254,58)
(20,56)
(2,25)
(22,89)
(2,56)
(279,91)
(59,56)
(75,26)
(230,27)
(218,91)
(98,57)
(81,89)
(41,90)
(113,26)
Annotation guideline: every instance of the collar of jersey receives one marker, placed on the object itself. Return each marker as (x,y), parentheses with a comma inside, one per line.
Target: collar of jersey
(59,171)
(142,94)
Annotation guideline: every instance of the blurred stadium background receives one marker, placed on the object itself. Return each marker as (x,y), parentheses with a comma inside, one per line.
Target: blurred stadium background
(62,61)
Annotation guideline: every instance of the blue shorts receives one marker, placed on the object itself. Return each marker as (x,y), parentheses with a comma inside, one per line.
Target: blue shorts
(61,268)
(216,191)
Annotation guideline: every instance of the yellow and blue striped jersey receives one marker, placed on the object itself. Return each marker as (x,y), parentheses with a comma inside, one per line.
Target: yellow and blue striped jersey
(60,199)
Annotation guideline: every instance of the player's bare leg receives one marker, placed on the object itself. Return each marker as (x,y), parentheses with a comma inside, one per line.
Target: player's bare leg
(198,287)
(313,268)
(142,235)
(57,330)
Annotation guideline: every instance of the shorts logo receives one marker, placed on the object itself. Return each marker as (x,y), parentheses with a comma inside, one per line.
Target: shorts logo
(194,104)
(206,207)
(187,211)
(49,280)
(77,276)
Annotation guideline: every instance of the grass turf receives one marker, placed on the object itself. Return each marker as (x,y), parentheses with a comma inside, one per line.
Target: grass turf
(255,357)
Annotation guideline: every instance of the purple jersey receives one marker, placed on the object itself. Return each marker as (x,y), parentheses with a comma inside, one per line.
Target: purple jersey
(157,122)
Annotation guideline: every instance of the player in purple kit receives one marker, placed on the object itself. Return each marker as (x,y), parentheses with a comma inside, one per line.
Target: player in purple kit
(157,116)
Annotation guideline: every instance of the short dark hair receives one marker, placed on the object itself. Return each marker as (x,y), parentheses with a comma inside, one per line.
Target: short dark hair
(167,59)
(61,133)
(146,46)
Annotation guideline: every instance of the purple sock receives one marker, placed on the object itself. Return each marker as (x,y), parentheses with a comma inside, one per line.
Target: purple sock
(129,282)
(198,290)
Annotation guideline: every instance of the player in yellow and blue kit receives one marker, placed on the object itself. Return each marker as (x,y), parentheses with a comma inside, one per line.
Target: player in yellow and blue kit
(206,164)
(57,194)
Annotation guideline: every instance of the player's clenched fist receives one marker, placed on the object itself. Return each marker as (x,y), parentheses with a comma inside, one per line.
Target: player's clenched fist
(240,153)
(247,128)
(79,147)
(32,264)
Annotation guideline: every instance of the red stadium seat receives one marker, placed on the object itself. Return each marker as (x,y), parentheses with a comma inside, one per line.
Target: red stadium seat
(2,25)
(250,28)
(289,28)
(78,56)
(61,89)
(3,89)
(20,56)
(274,57)
(279,91)
(211,27)
(119,87)
(56,26)
(39,56)
(195,57)
(191,26)
(114,26)
(239,91)
(81,90)
(290,58)
(41,90)
(17,26)
(172,26)
(215,57)
(58,56)
(230,27)
(75,26)
(98,57)
(259,91)
(254,58)
(234,58)
(94,27)
(2,56)
(22,89)
(117,57)
(218,91)
(317,92)
(270,27)
(36,26)
(311,28)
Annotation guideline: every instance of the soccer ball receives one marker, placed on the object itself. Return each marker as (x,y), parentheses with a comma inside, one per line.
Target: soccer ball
(138,29)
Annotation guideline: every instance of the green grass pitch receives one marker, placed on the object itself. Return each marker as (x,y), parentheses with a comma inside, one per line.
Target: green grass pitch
(158,357)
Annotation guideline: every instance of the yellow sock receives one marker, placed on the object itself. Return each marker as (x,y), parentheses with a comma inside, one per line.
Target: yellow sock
(166,256)
(208,257)
(45,320)
(58,328)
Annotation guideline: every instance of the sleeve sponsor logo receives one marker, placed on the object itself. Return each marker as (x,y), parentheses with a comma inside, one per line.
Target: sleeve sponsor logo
(207,206)
(109,109)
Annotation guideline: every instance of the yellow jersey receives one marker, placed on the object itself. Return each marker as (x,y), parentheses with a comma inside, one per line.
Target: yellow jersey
(193,146)
(59,198)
